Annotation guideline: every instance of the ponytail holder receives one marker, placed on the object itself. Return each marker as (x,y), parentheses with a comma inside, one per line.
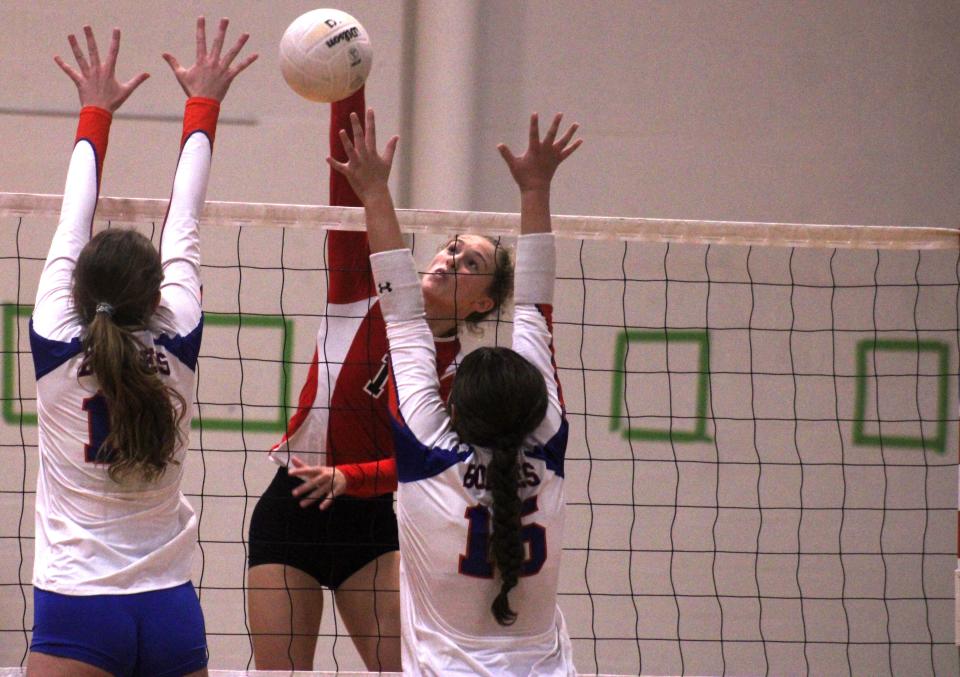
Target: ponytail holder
(104,307)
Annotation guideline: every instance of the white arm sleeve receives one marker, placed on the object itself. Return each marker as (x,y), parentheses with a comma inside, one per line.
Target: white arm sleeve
(413,357)
(53,316)
(179,311)
(532,320)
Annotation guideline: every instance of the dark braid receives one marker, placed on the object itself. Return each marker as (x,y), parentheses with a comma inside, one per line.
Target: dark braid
(506,546)
(497,399)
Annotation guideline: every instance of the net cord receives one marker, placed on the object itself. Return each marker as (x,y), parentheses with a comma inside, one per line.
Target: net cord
(496,223)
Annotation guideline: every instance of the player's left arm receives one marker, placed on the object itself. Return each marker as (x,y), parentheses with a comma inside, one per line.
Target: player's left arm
(205,83)
(533,171)
(324,483)
(536,256)
(100,95)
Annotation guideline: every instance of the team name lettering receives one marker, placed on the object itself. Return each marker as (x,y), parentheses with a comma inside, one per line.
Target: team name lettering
(475,476)
(153,360)
(346,36)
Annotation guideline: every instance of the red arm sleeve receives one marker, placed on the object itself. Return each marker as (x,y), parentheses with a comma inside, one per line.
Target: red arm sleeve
(370,479)
(348,252)
(200,115)
(379,477)
(94,126)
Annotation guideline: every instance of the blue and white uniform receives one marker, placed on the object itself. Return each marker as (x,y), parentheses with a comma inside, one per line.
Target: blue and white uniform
(95,536)
(447,582)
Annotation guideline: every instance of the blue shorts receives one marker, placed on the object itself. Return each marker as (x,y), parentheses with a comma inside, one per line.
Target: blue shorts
(158,633)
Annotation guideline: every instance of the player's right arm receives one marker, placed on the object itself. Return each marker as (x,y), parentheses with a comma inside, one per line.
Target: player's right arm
(348,251)
(100,95)
(349,281)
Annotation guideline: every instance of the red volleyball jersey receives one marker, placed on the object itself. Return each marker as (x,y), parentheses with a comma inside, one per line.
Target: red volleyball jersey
(342,417)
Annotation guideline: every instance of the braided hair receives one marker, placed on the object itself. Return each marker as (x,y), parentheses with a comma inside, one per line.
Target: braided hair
(498,398)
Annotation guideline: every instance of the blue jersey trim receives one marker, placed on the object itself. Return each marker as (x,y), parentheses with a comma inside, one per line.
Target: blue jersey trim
(184,348)
(49,354)
(554,451)
(416,461)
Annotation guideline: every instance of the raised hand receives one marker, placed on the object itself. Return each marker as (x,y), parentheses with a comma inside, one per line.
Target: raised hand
(212,73)
(365,168)
(534,169)
(320,483)
(96,81)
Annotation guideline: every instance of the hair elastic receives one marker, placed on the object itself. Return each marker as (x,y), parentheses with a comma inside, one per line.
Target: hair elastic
(104,307)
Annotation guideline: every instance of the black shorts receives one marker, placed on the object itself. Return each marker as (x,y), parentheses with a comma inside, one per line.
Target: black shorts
(331,545)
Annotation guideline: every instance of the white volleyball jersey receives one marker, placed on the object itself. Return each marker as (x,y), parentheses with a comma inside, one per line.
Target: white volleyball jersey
(95,535)
(447,582)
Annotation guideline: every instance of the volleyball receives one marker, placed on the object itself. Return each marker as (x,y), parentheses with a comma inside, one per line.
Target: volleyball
(325,55)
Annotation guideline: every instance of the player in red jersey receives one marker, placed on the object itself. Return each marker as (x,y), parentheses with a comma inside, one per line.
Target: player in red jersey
(339,444)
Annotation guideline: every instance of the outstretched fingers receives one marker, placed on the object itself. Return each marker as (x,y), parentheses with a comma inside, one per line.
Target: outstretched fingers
(233,51)
(201,35)
(348,146)
(370,139)
(172,61)
(221,35)
(506,153)
(66,68)
(212,73)
(234,71)
(92,47)
(357,129)
(78,53)
(554,128)
(565,139)
(533,171)
(112,52)
(569,150)
(370,134)
(390,149)
(534,140)
(365,168)
(96,79)
(337,165)
(131,84)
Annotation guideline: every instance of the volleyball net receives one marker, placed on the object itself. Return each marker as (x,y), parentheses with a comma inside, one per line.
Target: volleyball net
(761,474)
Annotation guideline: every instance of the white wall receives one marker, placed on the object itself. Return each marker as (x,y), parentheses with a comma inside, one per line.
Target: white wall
(839,112)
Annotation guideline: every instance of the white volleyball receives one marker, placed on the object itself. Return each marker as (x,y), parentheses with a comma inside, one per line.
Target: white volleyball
(325,55)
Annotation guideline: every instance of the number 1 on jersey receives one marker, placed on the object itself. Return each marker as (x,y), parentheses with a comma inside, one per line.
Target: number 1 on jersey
(98,422)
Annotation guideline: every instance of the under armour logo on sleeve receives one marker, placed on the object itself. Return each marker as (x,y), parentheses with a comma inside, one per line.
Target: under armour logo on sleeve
(384,287)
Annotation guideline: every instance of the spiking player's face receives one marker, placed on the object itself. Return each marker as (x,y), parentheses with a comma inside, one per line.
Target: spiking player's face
(456,281)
